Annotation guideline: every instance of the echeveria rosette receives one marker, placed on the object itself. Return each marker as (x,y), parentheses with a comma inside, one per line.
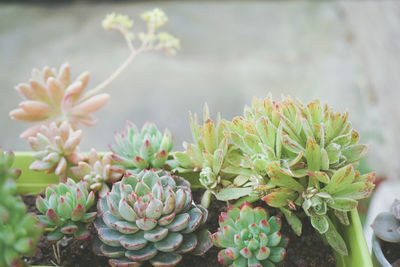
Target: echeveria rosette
(19,231)
(136,150)
(55,148)
(65,208)
(222,168)
(98,172)
(150,216)
(386,225)
(52,97)
(249,237)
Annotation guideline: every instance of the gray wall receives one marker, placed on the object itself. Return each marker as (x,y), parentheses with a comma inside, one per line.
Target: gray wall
(345,53)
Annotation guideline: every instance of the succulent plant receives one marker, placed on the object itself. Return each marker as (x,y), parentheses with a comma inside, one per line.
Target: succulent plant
(222,166)
(150,216)
(271,132)
(137,150)
(97,172)
(307,156)
(52,97)
(8,174)
(55,148)
(19,231)
(386,225)
(65,208)
(249,237)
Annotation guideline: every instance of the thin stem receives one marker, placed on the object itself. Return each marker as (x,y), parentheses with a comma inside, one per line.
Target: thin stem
(113,76)
(144,47)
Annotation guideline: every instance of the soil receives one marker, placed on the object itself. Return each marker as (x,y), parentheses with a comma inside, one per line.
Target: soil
(301,251)
(392,253)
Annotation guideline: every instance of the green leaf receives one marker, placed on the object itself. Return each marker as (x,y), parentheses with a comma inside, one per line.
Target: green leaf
(333,151)
(320,176)
(218,160)
(252,141)
(293,221)
(183,159)
(267,131)
(320,222)
(335,239)
(209,135)
(239,142)
(313,155)
(356,190)
(324,160)
(342,216)
(278,142)
(291,144)
(355,152)
(343,204)
(340,180)
(233,193)
(280,178)
(279,197)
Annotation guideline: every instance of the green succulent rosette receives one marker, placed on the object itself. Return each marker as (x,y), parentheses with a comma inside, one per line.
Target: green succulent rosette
(136,150)
(150,216)
(249,237)
(65,210)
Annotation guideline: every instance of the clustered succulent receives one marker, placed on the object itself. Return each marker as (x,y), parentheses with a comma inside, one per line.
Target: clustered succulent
(136,150)
(249,237)
(150,216)
(19,231)
(65,209)
(220,164)
(290,156)
(97,172)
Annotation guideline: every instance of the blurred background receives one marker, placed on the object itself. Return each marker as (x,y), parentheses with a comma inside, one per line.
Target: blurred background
(345,53)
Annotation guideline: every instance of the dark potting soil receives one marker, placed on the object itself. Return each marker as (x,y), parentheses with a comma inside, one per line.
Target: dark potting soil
(392,253)
(306,251)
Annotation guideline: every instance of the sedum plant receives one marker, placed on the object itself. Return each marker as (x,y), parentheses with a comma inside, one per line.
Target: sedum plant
(19,231)
(386,225)
(150,216)
(97,172)
(52,97)
(220,164)
(55,149)
(306,156)
(65,210)
(136,150)
(249,237)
